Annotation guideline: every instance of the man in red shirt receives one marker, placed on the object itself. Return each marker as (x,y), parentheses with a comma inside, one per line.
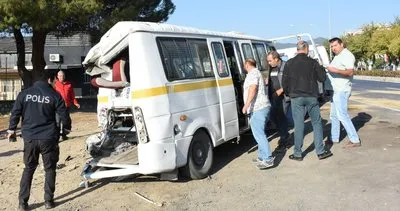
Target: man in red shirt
(67,93)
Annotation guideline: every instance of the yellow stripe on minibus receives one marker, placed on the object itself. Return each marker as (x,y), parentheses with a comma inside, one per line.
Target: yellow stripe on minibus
(152,92)
(102,99)
(225,82)
(193,86)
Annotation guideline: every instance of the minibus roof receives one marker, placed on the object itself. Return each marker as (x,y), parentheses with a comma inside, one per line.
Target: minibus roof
(114,40)
(123,28)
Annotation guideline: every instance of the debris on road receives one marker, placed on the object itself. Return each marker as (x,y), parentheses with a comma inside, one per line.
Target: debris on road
(60,166)
(149,201)
(69,157)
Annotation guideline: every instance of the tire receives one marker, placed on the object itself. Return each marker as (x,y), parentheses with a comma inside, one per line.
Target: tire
(200,157)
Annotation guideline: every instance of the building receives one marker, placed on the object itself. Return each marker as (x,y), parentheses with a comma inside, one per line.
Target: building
(60,53)
(10,82)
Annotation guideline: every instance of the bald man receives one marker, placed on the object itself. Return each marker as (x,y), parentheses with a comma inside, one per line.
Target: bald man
(67,93)
(300,81)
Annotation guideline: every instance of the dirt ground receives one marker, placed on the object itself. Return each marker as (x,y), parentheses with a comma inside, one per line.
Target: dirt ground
(364,178)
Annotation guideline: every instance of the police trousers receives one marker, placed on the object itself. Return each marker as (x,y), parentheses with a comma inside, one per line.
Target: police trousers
(50,154)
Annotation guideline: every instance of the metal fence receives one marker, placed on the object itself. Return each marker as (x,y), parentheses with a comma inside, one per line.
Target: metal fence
(9,88)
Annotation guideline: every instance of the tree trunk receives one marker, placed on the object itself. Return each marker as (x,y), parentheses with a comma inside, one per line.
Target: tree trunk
(38,62)
(25,75)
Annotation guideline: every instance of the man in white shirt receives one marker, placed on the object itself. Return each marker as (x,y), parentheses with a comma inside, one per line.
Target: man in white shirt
(258,107)
(341,71)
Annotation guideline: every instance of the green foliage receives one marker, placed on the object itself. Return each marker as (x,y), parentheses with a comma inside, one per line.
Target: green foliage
(359,44)
(128,10)
(379,41)
(379,73)
(44,15)
(394,44)
(65,17)
(379,63)
(386,40)
(374,40)
(144,10)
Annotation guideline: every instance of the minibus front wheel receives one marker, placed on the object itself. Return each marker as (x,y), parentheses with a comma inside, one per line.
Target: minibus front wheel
(200,156)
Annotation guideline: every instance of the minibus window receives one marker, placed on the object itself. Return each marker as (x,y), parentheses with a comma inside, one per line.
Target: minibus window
(270,47)
(247,51)
(220,61)
(240,60)
(201,56)
(185,58)
(261,54)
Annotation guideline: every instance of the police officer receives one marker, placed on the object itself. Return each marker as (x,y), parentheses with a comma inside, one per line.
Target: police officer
(38,106)
(279,102)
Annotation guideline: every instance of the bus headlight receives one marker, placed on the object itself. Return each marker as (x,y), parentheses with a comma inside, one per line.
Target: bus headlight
(140,126)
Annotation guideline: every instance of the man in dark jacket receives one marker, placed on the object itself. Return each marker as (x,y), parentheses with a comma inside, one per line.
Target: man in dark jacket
(300,81)
(38,106)
(279,103)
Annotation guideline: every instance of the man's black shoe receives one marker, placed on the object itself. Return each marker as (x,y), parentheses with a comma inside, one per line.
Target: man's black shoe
(23,206)
(324,155)
(49,204)
(280,148)
(292,157)
(64,137)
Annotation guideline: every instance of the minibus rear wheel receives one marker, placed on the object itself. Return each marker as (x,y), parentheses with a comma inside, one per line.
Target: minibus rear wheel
(200,156)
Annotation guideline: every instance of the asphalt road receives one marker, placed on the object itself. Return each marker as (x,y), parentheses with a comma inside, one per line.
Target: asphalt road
(380,98)
(377,89)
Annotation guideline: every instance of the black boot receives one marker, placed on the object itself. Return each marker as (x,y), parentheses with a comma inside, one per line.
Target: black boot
(23,206)
(49,204)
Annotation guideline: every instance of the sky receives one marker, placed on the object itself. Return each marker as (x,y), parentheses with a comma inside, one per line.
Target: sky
(274,18)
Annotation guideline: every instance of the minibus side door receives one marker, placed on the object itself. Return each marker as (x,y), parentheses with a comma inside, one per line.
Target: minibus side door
(243,120)
(248,51)
(226,93)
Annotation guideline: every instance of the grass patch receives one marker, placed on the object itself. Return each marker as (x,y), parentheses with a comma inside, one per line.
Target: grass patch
(379,73)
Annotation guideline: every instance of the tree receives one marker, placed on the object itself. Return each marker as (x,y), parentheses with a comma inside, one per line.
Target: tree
(40,17)
(359,44)
(394,45)
(386,41)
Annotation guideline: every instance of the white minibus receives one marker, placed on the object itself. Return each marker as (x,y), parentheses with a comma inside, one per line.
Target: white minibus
(167,96)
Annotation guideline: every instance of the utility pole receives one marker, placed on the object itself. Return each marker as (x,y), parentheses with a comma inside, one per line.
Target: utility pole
(6,81)
(6,70)
(330,27)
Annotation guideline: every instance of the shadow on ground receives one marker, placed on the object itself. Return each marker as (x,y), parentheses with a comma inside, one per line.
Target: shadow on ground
(69,196)
(9,153)
(359,122)
(228,152)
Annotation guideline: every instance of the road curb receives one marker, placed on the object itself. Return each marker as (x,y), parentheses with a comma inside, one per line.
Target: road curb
(377,78)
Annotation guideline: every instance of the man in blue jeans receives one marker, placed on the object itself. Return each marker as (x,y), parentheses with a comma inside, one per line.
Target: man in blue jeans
(341,71)
(257,105)
(300,81)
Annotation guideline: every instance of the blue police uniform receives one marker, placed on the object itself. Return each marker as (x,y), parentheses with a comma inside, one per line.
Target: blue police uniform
(38,106)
